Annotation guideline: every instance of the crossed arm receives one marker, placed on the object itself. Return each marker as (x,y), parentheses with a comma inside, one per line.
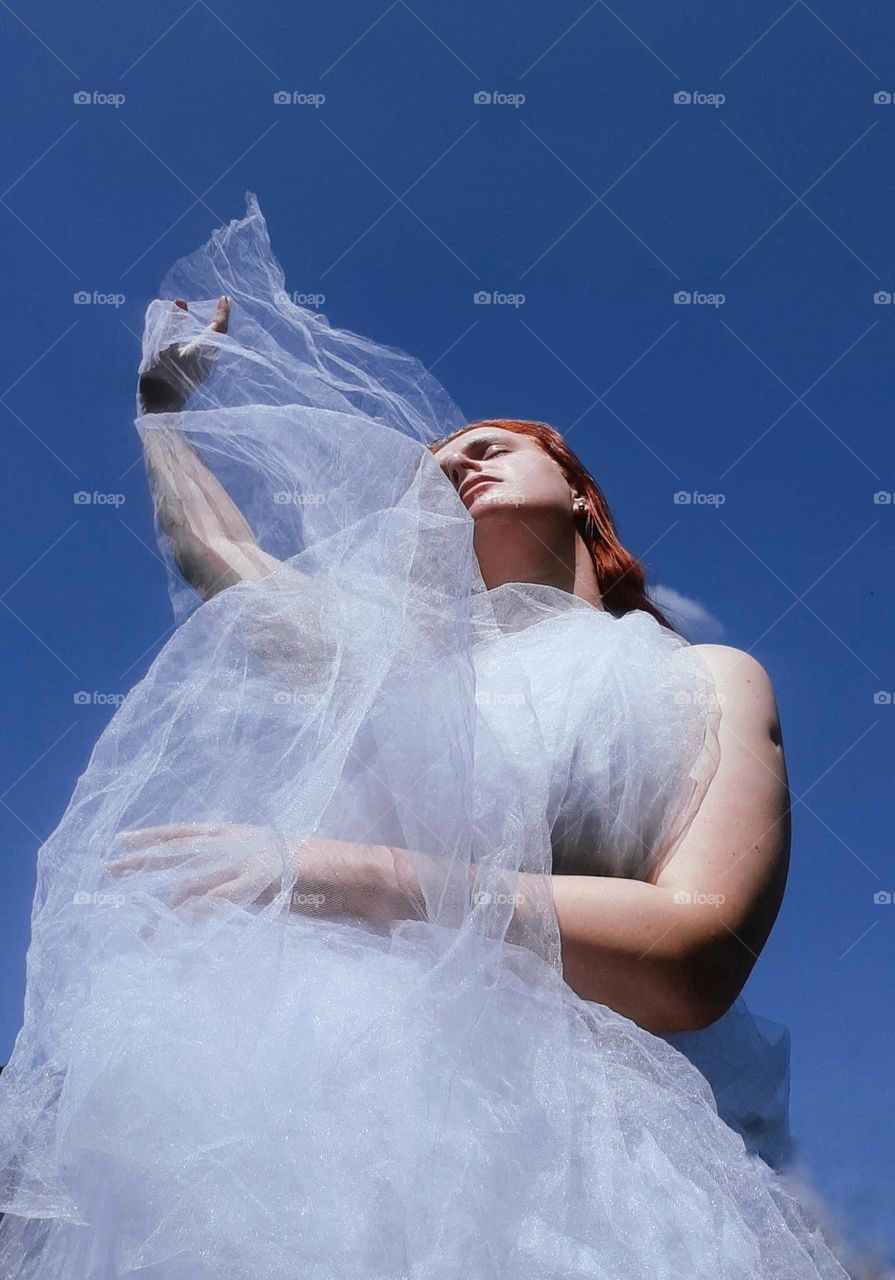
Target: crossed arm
(674,952)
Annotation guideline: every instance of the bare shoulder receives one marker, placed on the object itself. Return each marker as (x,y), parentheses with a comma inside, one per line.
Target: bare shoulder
(745,690)
(735,851)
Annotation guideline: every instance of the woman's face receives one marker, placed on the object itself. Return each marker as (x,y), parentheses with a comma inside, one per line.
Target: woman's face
(498,470)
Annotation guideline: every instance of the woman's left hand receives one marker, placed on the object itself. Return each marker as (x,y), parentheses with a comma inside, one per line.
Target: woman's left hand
(249,865)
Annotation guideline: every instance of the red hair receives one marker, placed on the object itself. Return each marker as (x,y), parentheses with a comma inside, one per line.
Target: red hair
(620,576)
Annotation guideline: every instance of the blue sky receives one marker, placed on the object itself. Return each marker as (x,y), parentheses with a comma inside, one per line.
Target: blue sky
(584,199)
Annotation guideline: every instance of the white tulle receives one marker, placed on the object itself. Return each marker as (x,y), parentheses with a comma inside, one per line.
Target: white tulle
(255,1092)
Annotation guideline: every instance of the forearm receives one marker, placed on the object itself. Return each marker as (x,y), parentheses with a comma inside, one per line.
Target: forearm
(212,544)
(628,944)
(625,943)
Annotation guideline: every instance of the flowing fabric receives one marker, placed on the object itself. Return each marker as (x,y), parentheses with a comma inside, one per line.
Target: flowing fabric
(236,1089)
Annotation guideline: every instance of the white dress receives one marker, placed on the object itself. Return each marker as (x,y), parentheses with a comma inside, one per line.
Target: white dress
(257,1092)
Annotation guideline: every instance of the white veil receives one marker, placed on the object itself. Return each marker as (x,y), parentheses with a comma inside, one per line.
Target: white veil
(260,1091)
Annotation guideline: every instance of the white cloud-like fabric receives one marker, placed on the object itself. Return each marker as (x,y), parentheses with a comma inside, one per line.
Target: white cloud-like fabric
(254,1092)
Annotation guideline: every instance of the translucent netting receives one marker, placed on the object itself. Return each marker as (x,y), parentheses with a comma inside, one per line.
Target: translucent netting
(235,1088)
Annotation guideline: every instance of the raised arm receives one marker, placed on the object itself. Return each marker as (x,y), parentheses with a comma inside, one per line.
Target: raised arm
(212,544)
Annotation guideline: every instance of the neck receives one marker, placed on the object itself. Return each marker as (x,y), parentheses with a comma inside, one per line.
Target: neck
(510,549)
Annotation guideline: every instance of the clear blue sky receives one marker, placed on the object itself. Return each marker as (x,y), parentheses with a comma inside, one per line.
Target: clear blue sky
(598,198)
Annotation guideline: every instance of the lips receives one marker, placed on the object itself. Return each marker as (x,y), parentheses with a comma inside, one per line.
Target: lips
(468,485)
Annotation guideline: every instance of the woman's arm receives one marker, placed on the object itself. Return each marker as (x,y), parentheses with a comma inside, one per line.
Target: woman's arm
(212,544)
(673,953)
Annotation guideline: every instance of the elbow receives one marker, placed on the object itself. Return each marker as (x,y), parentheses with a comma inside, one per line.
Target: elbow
(708,985)
(199,565)
(681,996)
(685,1011)
(688,1009)
(697,1014)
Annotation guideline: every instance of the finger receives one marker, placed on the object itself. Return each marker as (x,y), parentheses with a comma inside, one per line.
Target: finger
(158,862)
(137,837)
(221,315)
(179,302)
(203,907)
(204,889)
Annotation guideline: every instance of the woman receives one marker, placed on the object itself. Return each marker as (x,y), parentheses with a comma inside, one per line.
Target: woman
(354,953)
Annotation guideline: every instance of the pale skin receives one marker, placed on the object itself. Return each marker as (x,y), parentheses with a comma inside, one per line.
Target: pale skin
(667,964)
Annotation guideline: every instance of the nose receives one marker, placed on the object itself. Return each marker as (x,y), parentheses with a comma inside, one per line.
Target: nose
(456,466)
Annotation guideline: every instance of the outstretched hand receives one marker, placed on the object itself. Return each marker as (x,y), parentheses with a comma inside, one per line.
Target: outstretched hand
(166,385)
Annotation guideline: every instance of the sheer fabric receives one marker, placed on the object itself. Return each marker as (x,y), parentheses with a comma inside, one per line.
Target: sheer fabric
(245,1090)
